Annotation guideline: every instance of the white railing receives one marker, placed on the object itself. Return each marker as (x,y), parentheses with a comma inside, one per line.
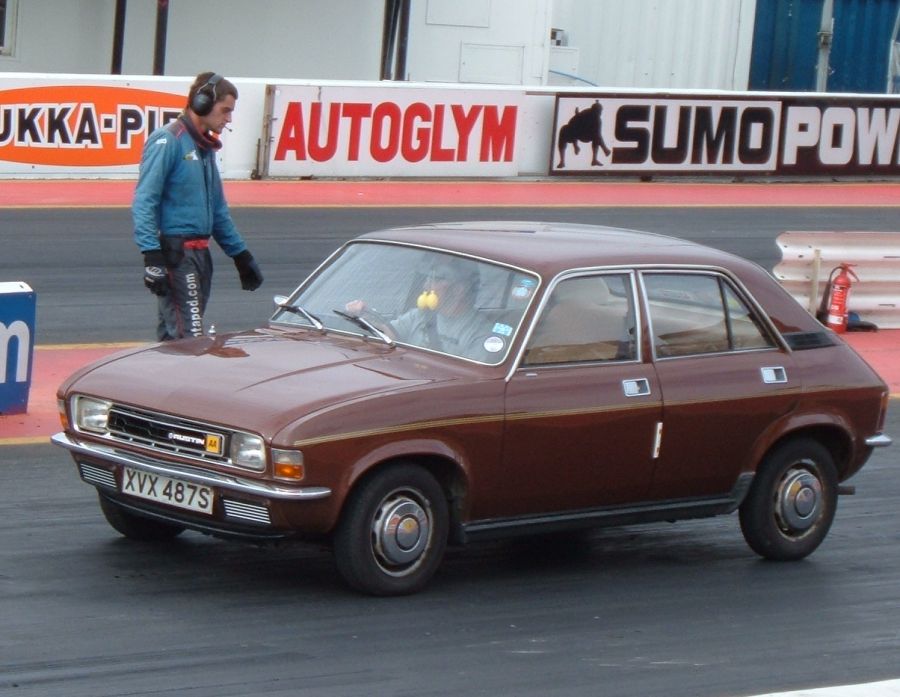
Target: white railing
(807,259)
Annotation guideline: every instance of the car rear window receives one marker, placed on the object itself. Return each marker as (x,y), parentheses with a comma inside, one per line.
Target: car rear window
(696,313)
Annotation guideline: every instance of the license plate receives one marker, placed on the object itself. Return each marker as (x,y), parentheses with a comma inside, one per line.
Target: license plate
(174,492)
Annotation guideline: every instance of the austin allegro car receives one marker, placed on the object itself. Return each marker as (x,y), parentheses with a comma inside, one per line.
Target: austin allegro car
(435,385)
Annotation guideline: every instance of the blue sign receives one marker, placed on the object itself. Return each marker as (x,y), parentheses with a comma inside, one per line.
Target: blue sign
(17,315)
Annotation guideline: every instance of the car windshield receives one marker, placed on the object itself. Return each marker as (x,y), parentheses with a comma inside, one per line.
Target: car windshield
(451,304)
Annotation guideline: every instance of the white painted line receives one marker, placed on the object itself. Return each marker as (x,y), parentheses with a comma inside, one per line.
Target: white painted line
(887,688)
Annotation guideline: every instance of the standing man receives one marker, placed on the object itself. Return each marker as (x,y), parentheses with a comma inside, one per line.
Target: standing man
(179,204)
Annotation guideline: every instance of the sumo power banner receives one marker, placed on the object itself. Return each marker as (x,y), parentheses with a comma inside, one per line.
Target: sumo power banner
(729,134)
(343,131)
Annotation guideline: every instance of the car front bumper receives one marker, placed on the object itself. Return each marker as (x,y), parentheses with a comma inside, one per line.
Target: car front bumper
(242,507)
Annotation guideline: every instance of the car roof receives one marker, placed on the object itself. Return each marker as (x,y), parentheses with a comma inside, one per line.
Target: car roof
(549,248)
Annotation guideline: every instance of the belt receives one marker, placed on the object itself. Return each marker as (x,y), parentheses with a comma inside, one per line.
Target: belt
(198,243)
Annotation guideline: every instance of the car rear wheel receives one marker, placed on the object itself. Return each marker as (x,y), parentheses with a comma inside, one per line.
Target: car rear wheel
(792,502)
(393,532)
(136,527)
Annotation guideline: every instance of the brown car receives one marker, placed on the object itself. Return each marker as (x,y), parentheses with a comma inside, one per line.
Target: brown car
(439,384)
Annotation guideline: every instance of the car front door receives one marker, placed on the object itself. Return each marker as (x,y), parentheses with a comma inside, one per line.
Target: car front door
(583,408)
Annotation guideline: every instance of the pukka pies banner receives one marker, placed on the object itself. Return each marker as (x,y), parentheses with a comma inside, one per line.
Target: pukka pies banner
(76,126)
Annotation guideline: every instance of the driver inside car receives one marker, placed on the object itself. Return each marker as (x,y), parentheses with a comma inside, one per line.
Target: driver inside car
(445,318)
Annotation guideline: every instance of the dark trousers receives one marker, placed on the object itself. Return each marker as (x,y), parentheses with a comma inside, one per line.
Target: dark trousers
(190,281)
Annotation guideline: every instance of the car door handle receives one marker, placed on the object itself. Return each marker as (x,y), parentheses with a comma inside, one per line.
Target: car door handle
(637,387)
(773,375)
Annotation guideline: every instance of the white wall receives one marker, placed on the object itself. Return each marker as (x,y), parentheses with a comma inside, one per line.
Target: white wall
(53,37)
(484,41)
(337,39)
(682,44)
(686,44)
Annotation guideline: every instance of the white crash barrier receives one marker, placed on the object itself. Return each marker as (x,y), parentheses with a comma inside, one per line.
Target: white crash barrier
(807,259)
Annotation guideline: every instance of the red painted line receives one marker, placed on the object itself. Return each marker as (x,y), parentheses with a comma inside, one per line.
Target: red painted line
(52,364)
(555,192)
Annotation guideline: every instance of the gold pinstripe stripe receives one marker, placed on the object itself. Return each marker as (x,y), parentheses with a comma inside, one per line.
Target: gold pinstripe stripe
(438,423)
(466,421)
(578,412)
(794,391)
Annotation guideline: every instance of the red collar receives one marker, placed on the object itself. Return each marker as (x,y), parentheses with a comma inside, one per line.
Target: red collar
(206,140)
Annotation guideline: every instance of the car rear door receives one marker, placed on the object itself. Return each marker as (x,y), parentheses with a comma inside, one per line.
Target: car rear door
(583,408)
(724,378)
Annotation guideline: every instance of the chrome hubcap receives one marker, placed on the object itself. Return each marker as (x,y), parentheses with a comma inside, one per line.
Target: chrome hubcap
(401,531)
(799,502)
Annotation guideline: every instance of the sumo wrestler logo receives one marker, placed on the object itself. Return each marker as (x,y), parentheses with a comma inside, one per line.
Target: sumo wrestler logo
(584,127)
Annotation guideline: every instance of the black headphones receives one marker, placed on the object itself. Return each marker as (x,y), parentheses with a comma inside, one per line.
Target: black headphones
(205,97)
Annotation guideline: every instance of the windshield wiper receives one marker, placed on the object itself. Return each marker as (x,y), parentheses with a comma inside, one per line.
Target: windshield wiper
(307,315)
(365,324)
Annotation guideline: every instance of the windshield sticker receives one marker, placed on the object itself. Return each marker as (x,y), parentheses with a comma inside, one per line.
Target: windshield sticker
(502,329)
(494,344)
(524,288)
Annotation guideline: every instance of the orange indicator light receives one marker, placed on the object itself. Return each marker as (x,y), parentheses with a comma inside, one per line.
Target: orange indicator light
(285,470)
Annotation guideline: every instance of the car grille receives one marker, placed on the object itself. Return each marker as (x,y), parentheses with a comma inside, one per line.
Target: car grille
(168,434)
(246,511)
(97,476)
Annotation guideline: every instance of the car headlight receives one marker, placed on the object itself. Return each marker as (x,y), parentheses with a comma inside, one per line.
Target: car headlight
(91,414)
(248,450)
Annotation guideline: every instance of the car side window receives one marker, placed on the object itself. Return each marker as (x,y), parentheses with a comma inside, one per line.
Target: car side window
(586,318)
(699,313)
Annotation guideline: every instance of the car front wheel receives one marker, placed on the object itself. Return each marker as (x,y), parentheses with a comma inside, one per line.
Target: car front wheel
(393,532)
(137,527)
(792,501)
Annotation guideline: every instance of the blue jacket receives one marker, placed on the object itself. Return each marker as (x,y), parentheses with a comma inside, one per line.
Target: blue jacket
(179,191)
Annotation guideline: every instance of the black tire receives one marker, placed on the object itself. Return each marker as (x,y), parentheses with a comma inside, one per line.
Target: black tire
(393,532)
(792,502)
(136,527)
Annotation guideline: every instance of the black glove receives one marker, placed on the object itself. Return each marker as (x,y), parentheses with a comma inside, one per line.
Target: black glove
(155,276)
(248,270)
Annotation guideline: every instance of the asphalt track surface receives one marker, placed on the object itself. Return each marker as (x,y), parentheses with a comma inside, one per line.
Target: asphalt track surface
(669,610)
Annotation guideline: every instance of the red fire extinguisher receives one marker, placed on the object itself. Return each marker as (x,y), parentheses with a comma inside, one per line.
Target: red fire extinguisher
(839,291)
